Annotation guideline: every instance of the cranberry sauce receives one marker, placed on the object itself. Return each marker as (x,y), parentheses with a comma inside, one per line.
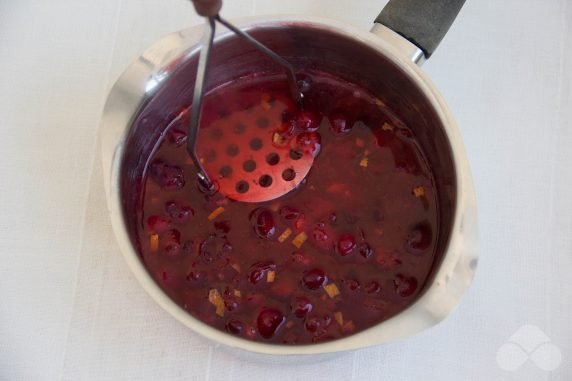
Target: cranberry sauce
(350,247)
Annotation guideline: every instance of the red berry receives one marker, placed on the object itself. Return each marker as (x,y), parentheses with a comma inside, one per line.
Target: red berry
(340,123)
(365,250)
(214,248)
(235,326)
(179,213)
(405,286)
(263,223)
(177,136)
(230,304)
(171,242)
(158,224)
(222,226)
(314,279)
(300,223)
(196,275)
(269,321)
(346,244)
(320,235)
(301,306)
(299,257)
(168,177)
(312,324)
(310,143)
(372,287)
(259,269)
(250,332)
(419,238)
(351,284)
(289,213)
(306,121)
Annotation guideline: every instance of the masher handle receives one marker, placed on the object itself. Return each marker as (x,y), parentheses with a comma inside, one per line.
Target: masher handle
(207,8)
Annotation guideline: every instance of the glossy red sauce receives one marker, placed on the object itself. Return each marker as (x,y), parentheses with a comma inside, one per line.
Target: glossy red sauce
(351,246)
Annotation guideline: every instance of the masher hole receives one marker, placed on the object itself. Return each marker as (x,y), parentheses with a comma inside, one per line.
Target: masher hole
(242,186)
(295,154)
(265,181)
(288,174)
(239,128)
(210,156)
(272,158)
(215,134)
(249,165)
(232,150)
(225,171)
(255,144)
(262,122)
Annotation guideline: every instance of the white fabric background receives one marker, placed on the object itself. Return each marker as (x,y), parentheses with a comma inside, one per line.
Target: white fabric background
(69,307)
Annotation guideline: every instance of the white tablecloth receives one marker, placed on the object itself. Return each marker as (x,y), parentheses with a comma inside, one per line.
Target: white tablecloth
(69,307)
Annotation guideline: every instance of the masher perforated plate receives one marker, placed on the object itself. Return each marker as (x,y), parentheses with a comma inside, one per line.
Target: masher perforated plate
(244,154)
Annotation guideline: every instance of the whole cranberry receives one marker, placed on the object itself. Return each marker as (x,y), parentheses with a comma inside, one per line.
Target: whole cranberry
(222,226)
(230,304)
(235,326)
(300,223)
(250,332)
(168,177)
(176,136)
(306,121)
(352,284)
(346,244)
(263,223)
(314,279)
(269,321)
(259,270)
(320,235)
(372,287)
(158,224)
(196,276)
(309,143)
(301,306)
(179,213)
(365,250)
(214,248)
(340,123)
(419,238)
(301,258)
(188,247)
(289,213)
(313,324)
(171,242)
(405,286)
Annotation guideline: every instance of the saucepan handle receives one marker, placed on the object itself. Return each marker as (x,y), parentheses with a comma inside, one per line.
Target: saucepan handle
(422,22)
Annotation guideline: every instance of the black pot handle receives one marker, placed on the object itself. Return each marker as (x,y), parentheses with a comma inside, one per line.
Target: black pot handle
(423,22)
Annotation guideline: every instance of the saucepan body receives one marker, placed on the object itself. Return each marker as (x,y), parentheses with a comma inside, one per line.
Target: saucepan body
(160,83)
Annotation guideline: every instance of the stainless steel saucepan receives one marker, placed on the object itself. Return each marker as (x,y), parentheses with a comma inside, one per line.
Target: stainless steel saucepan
(386,61)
